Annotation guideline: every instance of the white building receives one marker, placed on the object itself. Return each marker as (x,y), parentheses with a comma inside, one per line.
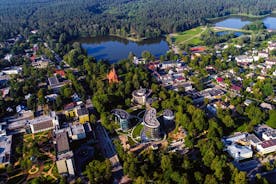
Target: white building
(267,146)
(65,164)
(77,132)
(263,54)
(44,123)
(239,152)
(269,134)
(270,62)
(12,71)
(138,61)
(244,60)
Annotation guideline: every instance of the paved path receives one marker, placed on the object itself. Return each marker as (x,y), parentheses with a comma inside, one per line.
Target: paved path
(217,28)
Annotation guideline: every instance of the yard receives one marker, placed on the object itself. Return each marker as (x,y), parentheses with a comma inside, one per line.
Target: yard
(137,131)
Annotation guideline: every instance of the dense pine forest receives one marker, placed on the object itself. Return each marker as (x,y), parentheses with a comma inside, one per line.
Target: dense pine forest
(126,18)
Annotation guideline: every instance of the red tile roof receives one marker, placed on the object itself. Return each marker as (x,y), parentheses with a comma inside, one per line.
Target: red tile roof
(60,72)
(235,87)
(70,106)
(268,143)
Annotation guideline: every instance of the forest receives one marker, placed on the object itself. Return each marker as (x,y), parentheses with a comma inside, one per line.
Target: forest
(127,18)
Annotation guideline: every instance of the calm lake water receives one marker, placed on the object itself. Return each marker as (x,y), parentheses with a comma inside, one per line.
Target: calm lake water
(239,22)
(114,49)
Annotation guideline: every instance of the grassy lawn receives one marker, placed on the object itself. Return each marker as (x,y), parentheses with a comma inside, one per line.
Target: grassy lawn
(137,130)
(191,36)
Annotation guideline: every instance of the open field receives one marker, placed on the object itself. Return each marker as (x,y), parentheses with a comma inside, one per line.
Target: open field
(191,36)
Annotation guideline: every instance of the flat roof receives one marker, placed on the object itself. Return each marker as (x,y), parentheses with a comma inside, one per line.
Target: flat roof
(82,111)
(42,122)
(253,138)
(62,142)
(53,81)
(268,143)
(234,148)
(77,129)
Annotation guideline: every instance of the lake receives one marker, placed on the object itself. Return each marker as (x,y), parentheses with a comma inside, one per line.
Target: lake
(114,49)
(237,22)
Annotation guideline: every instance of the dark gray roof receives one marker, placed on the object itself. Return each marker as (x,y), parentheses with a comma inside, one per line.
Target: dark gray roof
(82,111)
(53,81)
(62,142)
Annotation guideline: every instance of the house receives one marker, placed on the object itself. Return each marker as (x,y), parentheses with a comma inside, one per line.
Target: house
(55,84)
(187,86)
(69,109)
(267,146)
(260,129)
(83,115)
(170,64)
(271,46)
(263,54)
(266,106)
(235,88)
(234,149)
(60,72)
(247,102)
(269,134)
(244,60)
(41,63)
(73,110)
(138,61)
(270,62)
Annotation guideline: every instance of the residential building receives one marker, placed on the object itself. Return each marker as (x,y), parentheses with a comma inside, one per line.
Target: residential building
(83,115)
(263,54)
(244,60)
(69,109)
(269,134)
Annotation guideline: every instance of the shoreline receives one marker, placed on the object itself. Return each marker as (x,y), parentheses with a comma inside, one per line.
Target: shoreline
(241,15)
